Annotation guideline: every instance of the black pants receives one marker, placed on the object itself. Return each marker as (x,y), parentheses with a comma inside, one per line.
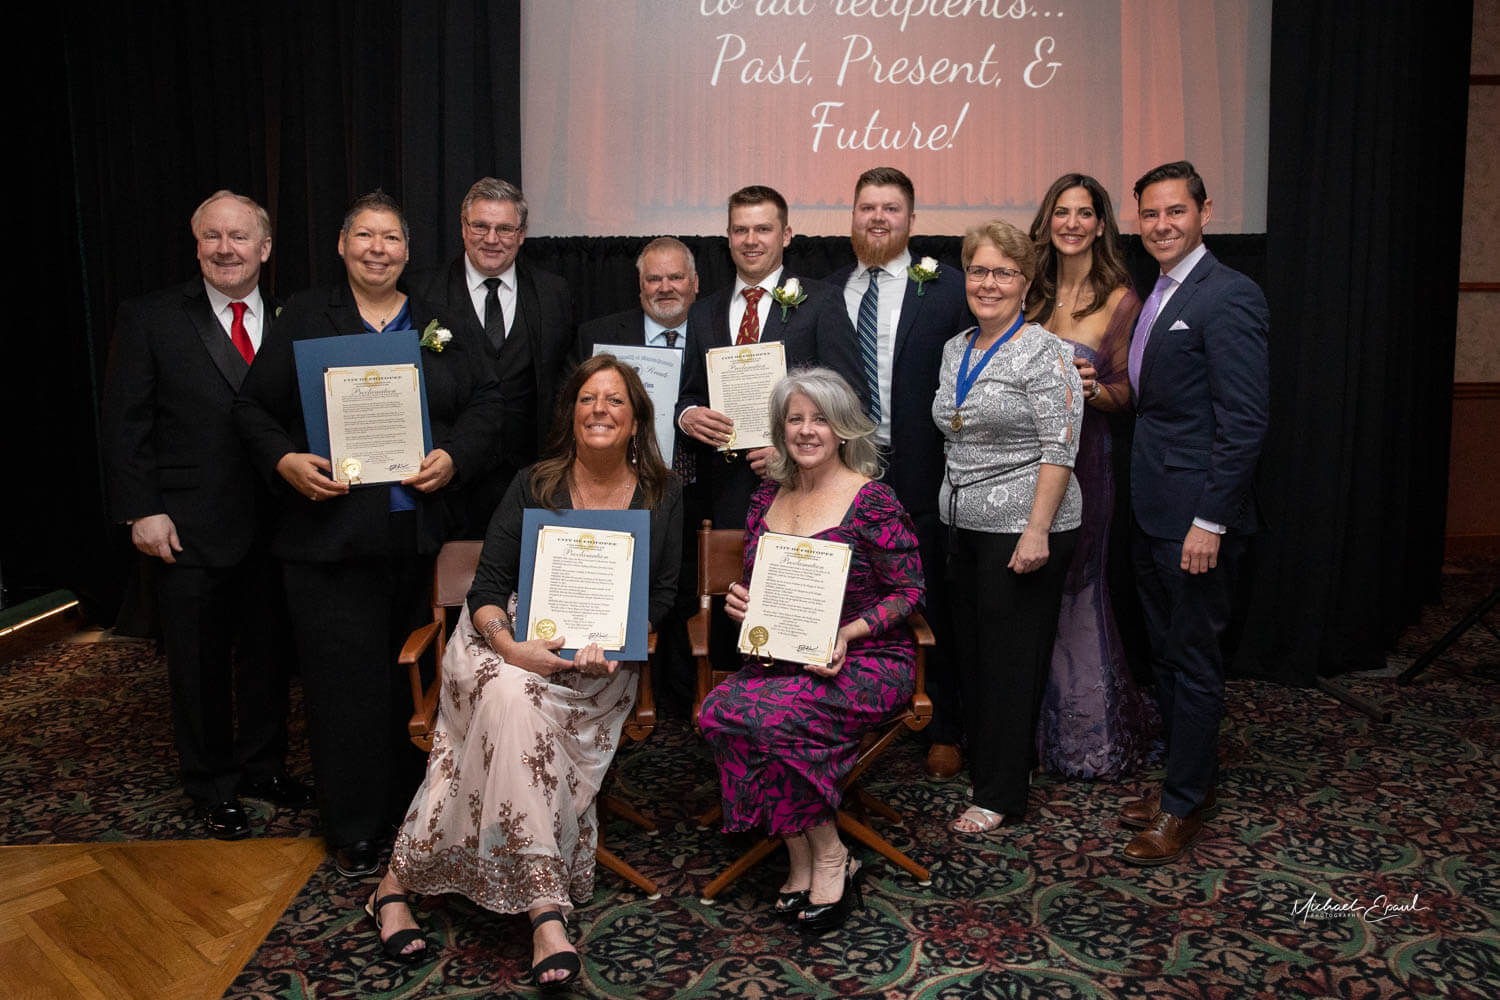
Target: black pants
(1003,625)
(1186,615)
(224,633)
(349,620)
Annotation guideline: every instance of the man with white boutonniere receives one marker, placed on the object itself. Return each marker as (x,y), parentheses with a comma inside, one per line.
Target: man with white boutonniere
(903,311)
(765,303)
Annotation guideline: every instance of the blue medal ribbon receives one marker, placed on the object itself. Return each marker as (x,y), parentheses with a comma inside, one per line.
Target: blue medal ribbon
(967,378)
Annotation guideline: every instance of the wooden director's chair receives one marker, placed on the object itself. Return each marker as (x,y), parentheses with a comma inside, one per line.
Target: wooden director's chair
(452,575)
(721,554)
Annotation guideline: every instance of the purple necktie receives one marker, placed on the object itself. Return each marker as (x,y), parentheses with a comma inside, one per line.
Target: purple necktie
(1143,331)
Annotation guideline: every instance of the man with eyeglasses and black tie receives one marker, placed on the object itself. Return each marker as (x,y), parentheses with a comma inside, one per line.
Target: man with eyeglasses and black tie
(525,315)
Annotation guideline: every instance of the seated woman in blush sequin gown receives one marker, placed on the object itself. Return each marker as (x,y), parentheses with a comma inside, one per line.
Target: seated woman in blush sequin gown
(785,734)
(1093,722)
(506,815)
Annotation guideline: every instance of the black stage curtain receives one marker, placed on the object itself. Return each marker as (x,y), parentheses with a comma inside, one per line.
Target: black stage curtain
(134,113)
(1369,104)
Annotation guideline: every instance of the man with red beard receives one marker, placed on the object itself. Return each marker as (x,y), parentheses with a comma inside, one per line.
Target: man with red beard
(903,311)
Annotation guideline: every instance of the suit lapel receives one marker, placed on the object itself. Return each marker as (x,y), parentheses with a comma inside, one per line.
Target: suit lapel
(1171,312)
(775,327)
(215,339)
(911,308)
(527,307)
(460,303)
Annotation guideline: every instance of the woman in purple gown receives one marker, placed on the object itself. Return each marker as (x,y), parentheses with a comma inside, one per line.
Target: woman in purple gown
(784,734)
(1093,722)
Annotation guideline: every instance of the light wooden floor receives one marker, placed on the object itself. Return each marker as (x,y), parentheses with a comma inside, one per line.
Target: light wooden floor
(172,918)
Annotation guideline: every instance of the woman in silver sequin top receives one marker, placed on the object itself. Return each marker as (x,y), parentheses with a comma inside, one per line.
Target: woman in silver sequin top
(1010,404)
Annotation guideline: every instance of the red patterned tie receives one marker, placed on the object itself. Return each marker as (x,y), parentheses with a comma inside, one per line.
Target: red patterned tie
(238,334)
(750,322)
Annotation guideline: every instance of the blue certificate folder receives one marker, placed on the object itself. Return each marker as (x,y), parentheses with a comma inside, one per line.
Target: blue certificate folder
(317,355)
(638,523)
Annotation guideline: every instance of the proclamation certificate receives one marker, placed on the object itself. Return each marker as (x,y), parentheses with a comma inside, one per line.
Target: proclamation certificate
(796,595)
(660,369)
(580,586)
(740,380)
(374,422)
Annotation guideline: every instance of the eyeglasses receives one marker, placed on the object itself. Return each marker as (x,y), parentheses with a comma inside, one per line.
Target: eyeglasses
(1003,275)
(482,230)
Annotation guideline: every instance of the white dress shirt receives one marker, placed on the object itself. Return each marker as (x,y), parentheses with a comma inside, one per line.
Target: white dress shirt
(254,312)
(478,291)
(892,278)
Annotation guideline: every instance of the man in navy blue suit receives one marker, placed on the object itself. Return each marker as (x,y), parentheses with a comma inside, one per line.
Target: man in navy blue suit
(901,324)
(1199,374)
(816,332)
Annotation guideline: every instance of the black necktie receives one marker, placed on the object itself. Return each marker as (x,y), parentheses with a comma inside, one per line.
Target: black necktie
(671,336)
(494,316)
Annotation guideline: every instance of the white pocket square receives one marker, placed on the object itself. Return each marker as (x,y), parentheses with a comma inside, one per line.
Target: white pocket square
(1180,325)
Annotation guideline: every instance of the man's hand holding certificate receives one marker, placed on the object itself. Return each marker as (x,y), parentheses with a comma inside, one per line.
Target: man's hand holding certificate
(740,380)
(795,598)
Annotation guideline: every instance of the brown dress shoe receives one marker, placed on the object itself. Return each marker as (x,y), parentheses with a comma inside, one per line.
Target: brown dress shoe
(944,761)
(1164,840)
(1138,813)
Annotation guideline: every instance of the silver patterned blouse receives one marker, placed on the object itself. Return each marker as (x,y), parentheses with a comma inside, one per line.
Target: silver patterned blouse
(1025,409)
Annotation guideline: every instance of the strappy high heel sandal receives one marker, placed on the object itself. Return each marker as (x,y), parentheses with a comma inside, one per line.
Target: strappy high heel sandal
(567,961)
(395,945)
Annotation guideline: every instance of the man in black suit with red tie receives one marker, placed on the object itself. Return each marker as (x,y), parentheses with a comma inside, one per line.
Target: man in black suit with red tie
(815,332)
(525,315)
(901,324)
(179,477)
(1199,375)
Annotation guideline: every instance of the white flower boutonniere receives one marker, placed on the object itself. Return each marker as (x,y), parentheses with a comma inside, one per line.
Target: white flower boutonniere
(789,296)
(435,337)
(922,272)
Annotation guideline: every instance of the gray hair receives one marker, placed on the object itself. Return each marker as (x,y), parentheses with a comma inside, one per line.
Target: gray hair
(261,215)
(494,189)
(667,243)
(828,391)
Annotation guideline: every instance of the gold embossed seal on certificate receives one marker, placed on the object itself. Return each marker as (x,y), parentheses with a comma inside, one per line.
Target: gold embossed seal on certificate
(349,470)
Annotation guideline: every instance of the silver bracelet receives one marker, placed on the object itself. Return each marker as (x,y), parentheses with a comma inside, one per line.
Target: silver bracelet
(500,623)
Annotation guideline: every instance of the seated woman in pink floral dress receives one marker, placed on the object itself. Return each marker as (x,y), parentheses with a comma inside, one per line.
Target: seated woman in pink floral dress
(785,734)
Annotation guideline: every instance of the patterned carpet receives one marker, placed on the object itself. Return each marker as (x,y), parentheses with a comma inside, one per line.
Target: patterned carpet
(1350,859)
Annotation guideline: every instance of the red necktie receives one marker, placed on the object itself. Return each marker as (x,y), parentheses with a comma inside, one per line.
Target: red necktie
(238,334)
(750,322)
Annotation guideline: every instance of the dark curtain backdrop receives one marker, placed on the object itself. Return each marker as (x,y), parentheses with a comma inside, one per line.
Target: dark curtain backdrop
(130,116)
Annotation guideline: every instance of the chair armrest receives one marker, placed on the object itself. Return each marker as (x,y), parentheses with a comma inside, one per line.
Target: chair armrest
(418,642)
(921,629)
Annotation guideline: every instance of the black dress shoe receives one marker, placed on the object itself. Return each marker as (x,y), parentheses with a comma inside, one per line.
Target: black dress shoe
(357,859)
(789,904)
(279,789)
(824,917)
(225,819)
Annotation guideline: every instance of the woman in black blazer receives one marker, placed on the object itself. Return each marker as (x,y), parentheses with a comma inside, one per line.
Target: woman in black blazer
(357,562)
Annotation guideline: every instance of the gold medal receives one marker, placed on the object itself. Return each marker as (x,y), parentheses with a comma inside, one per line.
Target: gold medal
(957,423)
